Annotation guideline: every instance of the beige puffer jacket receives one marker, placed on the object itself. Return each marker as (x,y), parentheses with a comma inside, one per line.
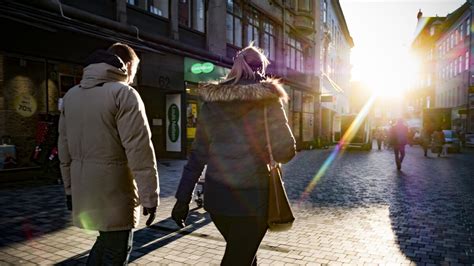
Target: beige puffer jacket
(107,159)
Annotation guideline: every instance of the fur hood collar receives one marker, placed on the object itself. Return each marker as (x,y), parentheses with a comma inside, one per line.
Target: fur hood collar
(263,90)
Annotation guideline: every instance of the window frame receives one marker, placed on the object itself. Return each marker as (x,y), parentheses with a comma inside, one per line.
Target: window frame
(191,8)
(269,30)
(234,14)
(150,5)
(294,56)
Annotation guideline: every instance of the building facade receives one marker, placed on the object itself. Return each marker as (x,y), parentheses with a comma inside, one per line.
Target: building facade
(422,95)
(453,68)
(444,47)
(332,66)
(180,43)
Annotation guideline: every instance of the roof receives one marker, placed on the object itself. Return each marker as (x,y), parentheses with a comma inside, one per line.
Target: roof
(424,23)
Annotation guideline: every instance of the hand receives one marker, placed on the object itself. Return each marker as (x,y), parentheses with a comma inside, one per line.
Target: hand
(69,202)
(179,213)
(151,212)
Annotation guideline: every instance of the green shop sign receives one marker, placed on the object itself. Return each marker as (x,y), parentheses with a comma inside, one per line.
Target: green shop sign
(199,71)
(199,68)
(173,128)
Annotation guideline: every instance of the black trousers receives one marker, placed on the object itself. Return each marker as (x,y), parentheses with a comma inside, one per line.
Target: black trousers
(399,151)
(243,235)
(111,248)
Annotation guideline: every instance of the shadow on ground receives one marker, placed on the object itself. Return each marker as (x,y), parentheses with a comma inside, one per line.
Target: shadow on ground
(431,201)
(154,237)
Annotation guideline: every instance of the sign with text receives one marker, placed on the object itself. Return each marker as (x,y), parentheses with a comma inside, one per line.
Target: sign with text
(25,105)
(173,122)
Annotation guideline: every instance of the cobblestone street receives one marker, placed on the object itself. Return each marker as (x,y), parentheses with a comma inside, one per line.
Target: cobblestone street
(362,211)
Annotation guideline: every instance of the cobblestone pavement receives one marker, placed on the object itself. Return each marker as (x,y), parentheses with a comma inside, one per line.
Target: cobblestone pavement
(362,211)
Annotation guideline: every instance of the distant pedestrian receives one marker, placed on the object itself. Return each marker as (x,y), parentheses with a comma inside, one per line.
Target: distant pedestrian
(230,140)
(398,138)
(438,142)
(107,159)
(425,140)
(379,136)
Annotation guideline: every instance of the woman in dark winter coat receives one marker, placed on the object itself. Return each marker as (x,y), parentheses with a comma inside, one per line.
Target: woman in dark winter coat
(230,140)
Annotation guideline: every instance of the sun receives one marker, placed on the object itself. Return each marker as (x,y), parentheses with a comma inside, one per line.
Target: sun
(387,75)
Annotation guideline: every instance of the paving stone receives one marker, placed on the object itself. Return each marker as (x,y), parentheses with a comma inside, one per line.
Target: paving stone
(361,211)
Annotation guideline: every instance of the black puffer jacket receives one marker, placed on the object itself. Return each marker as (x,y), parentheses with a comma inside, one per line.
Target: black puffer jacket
(230,139)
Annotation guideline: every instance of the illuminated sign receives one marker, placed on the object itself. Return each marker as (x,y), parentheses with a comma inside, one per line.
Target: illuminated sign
(205,68)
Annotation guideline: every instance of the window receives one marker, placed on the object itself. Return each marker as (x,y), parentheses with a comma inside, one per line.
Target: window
(199,17)
(432,30)
(461,30)
(455,67)
(158,7)
(253,28)
(191,14)
(451,70)
(269,39)
(132,2)
(466,66)
(234,23)
(460,64)
(325,11)
(452,41)
(294,54)
(468,26)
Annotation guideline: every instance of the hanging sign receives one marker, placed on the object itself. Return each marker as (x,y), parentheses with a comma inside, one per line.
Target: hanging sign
(25,105)
(173,122)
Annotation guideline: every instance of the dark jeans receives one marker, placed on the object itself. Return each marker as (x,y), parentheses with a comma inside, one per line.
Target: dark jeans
(379,144)
(399,151)
(111,248)
(243,235)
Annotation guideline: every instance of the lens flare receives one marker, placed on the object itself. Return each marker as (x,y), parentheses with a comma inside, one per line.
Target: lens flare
(338,150)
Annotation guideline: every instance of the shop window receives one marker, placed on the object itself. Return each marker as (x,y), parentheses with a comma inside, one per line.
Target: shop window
(192,14)
(159,7)
(234,23)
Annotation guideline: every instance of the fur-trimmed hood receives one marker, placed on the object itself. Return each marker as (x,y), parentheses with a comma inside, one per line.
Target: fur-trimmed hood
(263,90)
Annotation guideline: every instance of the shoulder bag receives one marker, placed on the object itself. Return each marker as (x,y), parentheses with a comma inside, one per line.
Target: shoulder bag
(280,216)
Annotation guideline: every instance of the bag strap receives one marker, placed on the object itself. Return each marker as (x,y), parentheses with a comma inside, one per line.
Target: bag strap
(267,135)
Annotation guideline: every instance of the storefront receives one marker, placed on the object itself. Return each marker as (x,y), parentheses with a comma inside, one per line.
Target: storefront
(196,72)
(301,116)
(30,89)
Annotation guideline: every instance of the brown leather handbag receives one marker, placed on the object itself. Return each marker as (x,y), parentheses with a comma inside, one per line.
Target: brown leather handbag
(280,216)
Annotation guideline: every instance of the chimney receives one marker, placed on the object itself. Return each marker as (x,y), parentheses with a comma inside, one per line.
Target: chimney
(420,14)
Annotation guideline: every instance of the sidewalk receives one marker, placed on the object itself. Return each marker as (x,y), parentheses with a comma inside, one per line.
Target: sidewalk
(362,212)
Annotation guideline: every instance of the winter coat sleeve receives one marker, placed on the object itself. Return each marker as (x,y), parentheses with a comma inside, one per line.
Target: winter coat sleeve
(196,162)
(135,135)
(64,156)
(281,137)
